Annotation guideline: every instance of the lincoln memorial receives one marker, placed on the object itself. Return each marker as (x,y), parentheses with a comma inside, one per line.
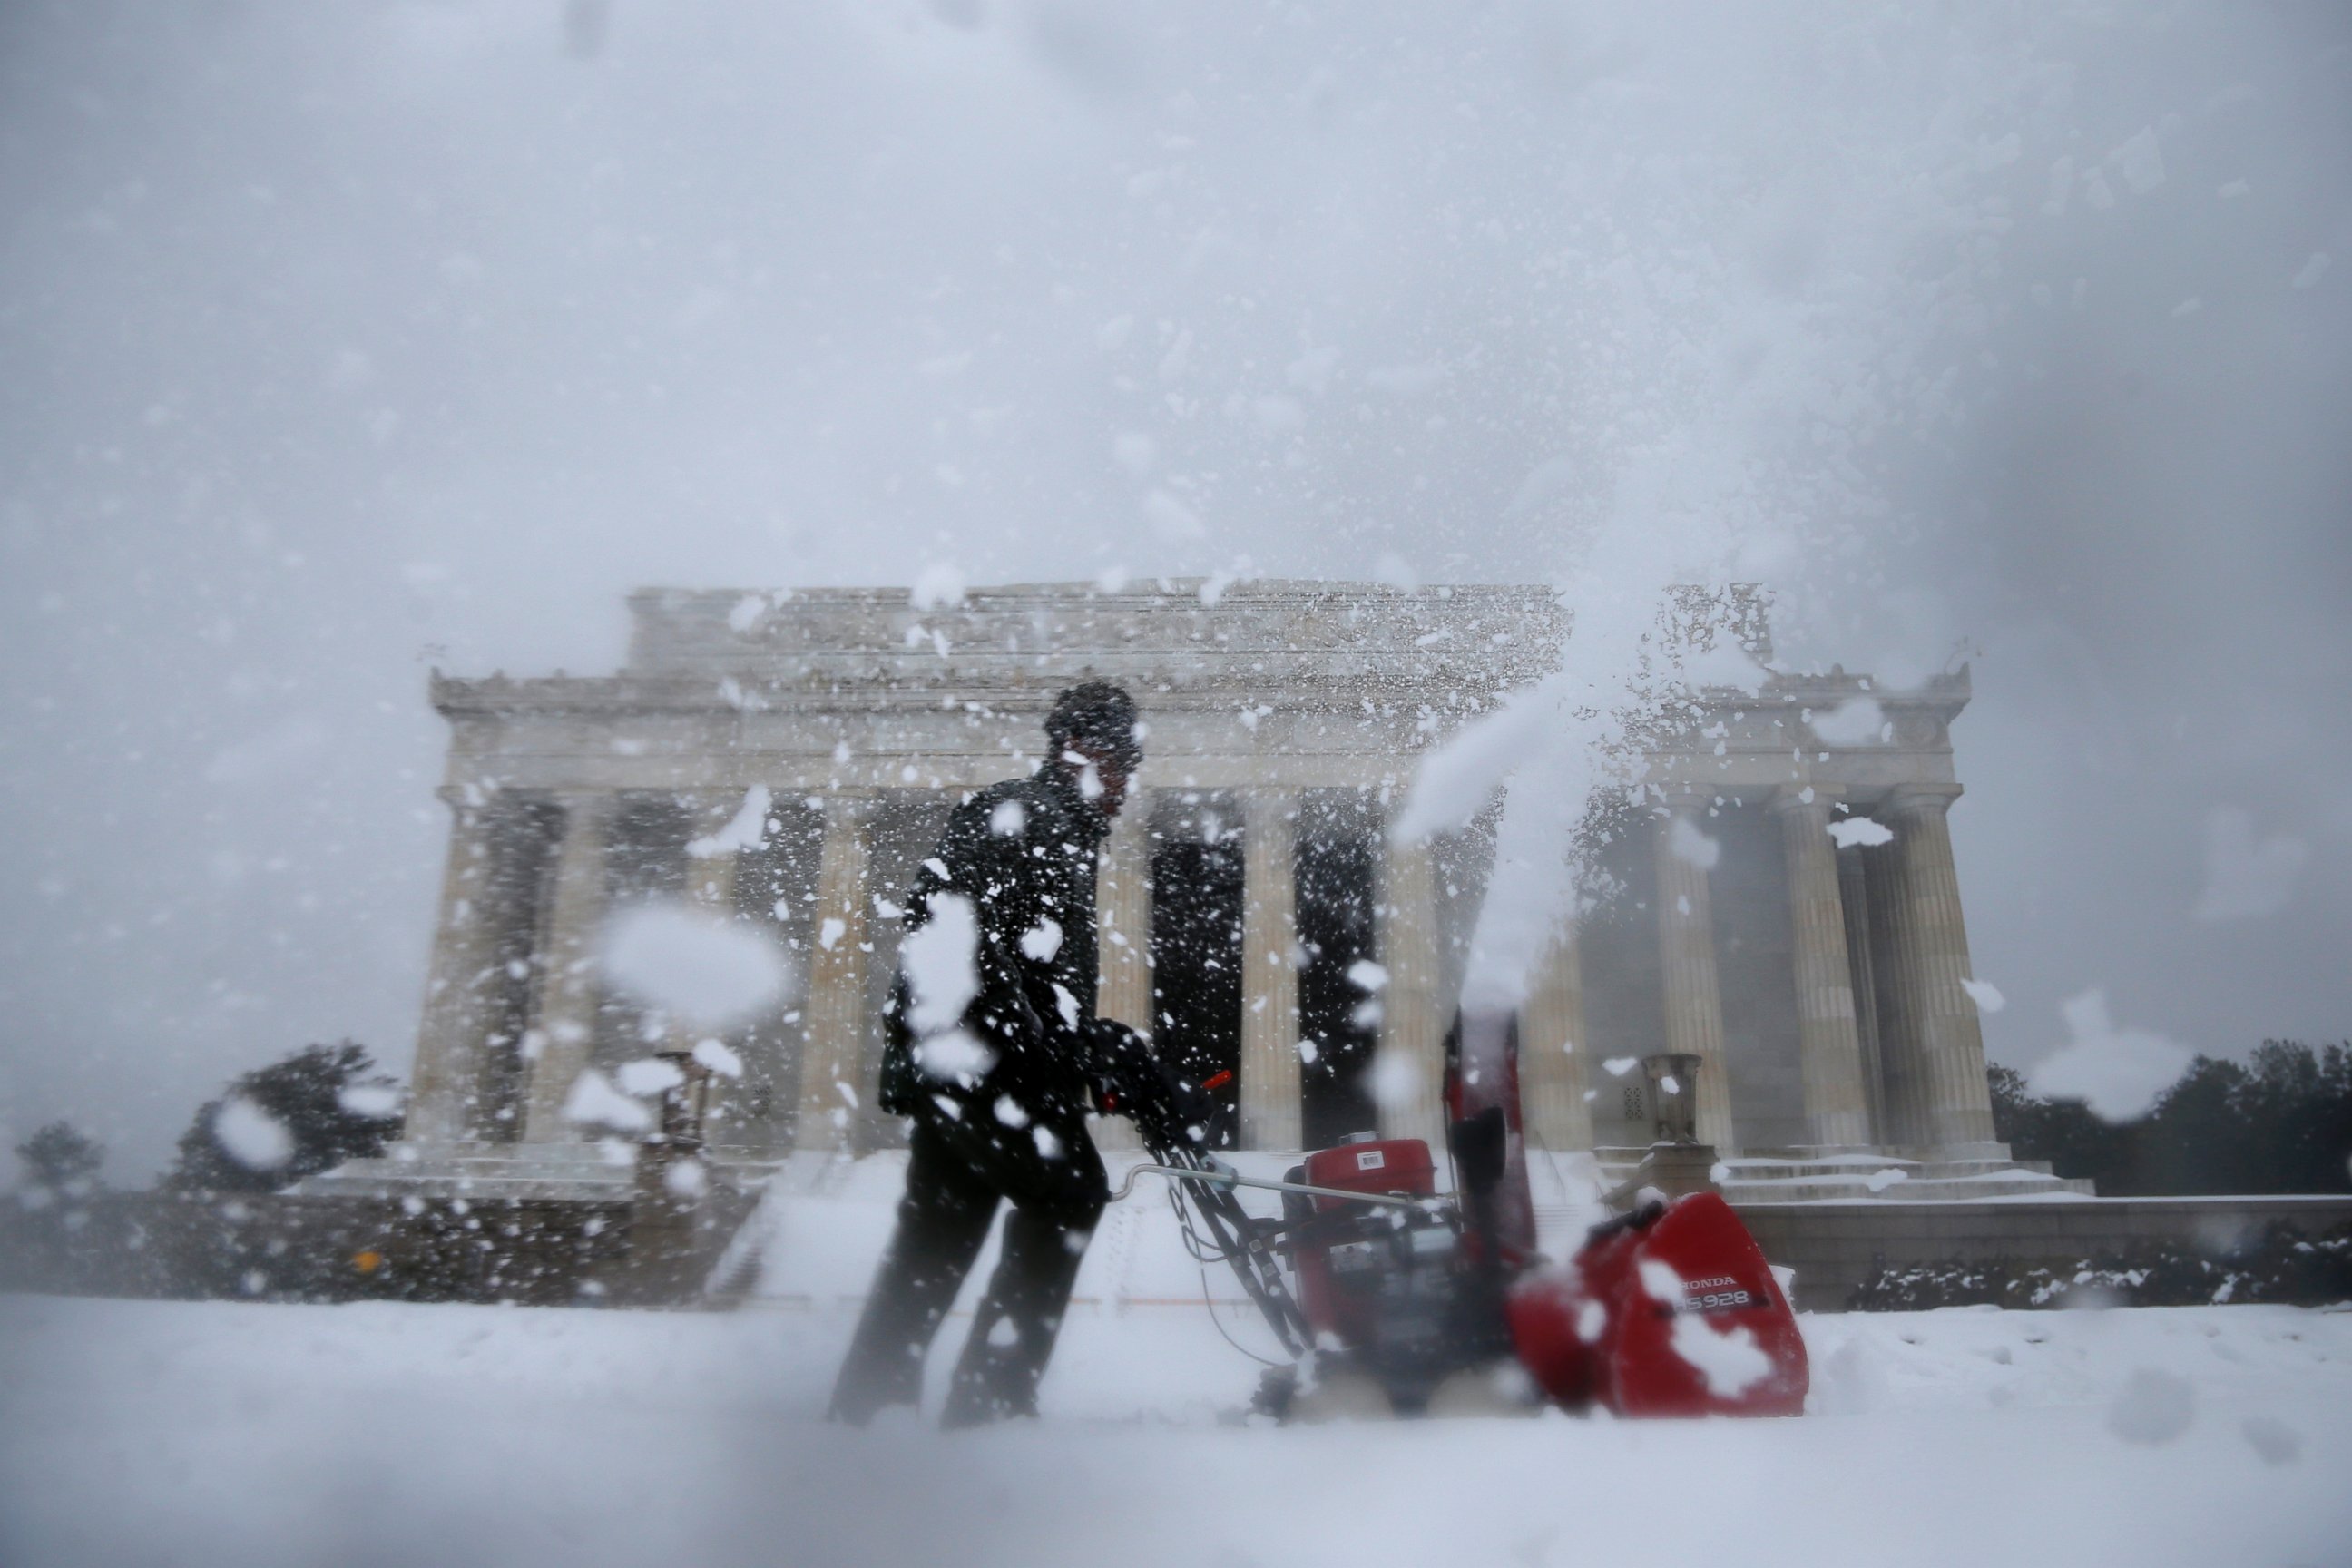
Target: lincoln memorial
(784,759)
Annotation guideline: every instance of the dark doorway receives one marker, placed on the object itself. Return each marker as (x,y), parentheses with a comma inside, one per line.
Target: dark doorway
(1625,1005)
(1196,946)
(1756,967)
(645,860)
(1337,1017)
(775,894)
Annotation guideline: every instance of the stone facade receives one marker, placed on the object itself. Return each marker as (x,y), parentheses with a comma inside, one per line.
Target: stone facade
(1247,885)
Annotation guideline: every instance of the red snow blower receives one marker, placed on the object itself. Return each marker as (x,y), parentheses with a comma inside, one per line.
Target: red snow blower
(1667,1309)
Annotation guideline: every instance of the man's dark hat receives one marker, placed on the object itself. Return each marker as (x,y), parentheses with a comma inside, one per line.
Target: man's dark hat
(1099,716)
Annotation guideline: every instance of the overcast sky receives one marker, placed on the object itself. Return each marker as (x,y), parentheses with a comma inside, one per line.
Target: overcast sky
(342,341)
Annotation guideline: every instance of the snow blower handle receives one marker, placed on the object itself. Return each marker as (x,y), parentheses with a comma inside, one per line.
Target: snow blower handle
(1223,1175)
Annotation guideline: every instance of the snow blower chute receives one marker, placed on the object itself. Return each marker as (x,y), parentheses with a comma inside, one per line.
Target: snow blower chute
(1667,1309)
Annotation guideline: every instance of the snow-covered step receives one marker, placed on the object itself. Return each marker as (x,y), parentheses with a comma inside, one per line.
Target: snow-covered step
(1800,1175)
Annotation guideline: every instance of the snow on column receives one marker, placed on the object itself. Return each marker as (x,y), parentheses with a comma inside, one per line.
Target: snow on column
(1269,1086)
(1946,1086)
(1123,939)
(1553,1049)
(1829,1046)
(833,1050)
(564,1013)
(449,1043)
(1409,1073)
(1694,997)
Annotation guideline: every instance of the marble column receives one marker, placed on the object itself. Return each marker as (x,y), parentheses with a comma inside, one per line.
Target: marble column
(563,1012)
(1853,903)
(1409,1069)
(1269,1086)
(1951,1103)
(834,1028)
(1829,1046)
(1693,996)
(1123,939)
(1554,1050)
(460,991)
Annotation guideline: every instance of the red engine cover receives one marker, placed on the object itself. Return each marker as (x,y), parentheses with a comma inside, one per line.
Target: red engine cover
(1381,1165)
(1385,1165)
(1677,1317)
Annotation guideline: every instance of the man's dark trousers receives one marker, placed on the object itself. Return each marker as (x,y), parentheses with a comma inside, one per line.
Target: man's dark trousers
(956,1173)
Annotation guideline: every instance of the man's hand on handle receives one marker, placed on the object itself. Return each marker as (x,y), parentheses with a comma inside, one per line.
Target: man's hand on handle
(1131,1080)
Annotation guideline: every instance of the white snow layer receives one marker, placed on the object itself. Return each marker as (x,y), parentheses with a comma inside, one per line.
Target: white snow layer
(939,585)
(1984,994)
(1690,843)
(1724,664)
(747,829)
(1731,1361)
(941,963)
(1042,941)
(2118,1073)
(955,1056)
(649,1074)
(1856,722)
(376,1100)
(1853,830)
(1457,779)
(594,1102)
(691,962)
(718,1058)
(218,1433)
(251,1136)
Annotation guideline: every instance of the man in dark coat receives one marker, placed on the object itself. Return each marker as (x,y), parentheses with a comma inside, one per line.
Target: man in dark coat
(990,1031)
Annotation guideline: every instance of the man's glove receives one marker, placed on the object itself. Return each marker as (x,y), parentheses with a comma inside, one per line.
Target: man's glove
(1130,1079)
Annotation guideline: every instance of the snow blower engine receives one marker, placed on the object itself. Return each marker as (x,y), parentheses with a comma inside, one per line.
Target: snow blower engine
(1370,1276)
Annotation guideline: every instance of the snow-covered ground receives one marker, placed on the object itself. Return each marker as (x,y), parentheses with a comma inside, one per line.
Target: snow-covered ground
(249,1434)
(219,1433)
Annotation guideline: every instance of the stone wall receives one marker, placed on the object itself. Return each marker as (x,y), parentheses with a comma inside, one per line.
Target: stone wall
(1834,1246)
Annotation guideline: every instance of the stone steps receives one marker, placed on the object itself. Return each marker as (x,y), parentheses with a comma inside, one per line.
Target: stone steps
(1905,1170)
(507,1172)
(1949,1189)
(556,1172)
(1803,1175)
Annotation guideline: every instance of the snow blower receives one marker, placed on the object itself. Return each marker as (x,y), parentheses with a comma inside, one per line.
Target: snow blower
(1369,1275)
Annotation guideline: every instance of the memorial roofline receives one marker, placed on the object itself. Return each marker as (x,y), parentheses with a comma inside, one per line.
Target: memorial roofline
(1321,643)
